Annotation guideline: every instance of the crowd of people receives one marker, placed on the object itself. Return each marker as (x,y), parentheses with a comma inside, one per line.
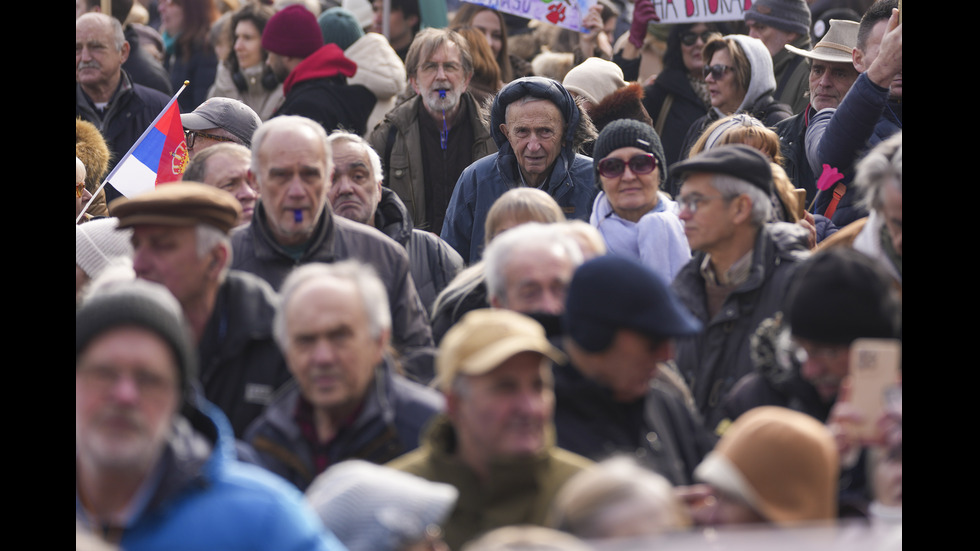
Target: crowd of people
(490,286)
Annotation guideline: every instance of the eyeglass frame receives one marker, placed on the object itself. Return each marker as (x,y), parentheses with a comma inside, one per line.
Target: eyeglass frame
(190,136)
(622,170)
(692,203)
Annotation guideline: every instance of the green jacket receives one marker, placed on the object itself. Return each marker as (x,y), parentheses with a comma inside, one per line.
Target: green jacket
(402,158)
(520,491)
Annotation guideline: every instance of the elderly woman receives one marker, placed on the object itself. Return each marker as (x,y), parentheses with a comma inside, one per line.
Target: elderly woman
(634,217)
(244,75)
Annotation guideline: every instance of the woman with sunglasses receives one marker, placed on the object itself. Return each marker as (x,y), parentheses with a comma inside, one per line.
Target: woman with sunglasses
(679,96)
(635,218)
(739,77)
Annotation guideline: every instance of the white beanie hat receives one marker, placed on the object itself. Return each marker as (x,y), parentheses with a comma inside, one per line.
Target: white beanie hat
(375,508)
(594,79)
(98,244)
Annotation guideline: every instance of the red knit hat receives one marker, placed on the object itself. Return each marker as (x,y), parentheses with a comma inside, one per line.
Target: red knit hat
(292,32)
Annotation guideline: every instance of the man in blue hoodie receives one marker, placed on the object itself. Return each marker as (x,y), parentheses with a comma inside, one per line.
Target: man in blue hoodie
(154,461)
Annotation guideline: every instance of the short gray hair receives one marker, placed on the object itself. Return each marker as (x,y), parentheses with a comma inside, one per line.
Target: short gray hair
(288,122)
(207,238)
(881,167)
(532,234)
(196,170)
(343,136)
(370,289)
(731,187)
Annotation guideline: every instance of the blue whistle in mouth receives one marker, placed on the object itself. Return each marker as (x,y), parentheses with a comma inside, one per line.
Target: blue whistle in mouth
(298,215)
(442,94)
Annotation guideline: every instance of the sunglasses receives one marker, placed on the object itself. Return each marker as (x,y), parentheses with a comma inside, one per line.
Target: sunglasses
(688,39)
(639,164)
(716,71)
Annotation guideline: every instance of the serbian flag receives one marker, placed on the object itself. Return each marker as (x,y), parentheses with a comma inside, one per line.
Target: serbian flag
(158,157)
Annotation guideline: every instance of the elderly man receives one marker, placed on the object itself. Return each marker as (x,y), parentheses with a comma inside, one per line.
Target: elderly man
(740,270)
(225,166)
(778,24)
(152,461)
(616,394)
(347,401)
(528,268)
(538,127)
(294,224)
(357,194)
(314,75)
(219,120)
(105,95)
(428,140)
(494,443)
(831,75)
(180,240)
(867,116)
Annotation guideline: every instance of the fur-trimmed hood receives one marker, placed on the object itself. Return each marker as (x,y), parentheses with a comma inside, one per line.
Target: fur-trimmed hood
(625,103)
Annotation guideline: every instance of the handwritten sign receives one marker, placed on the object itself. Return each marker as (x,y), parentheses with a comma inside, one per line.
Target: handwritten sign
(564,13)
(694,11)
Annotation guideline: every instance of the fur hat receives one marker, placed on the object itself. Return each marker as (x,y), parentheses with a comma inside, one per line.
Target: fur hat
(594,79)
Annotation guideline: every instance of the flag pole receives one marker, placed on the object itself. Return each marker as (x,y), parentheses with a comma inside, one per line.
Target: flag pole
(130,152)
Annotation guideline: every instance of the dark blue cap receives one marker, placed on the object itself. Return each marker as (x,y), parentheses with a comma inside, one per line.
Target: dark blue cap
(610,293)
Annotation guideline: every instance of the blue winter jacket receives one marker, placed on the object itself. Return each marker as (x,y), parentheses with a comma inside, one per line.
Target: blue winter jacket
(572,181)
(201,497)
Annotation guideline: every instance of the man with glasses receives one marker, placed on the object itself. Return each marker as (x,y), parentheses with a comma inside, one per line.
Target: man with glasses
(105,94)
(740,270)
(219,120)
(426,142)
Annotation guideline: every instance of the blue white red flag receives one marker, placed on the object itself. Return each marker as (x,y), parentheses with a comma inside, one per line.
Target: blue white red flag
(158,157)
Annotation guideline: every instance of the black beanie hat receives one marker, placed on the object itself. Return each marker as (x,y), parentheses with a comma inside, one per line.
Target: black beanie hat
(628,133)
(139,304)
(841,295)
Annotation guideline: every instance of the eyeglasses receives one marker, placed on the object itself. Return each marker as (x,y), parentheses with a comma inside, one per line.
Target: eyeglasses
(689,38)
(717,71)
(612,167)
(191,135)
(448,67)
(103,379)
(693,202)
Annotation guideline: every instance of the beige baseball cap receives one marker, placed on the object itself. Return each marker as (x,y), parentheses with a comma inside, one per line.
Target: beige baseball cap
(485,338)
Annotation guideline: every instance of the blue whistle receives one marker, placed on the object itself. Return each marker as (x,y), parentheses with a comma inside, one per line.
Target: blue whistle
(442,94)
(298,215)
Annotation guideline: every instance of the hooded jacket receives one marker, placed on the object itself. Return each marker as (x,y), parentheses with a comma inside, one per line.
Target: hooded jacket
(571,182)
(758,100)
(201,497)
(317,89)
(433,262)
(397,139)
